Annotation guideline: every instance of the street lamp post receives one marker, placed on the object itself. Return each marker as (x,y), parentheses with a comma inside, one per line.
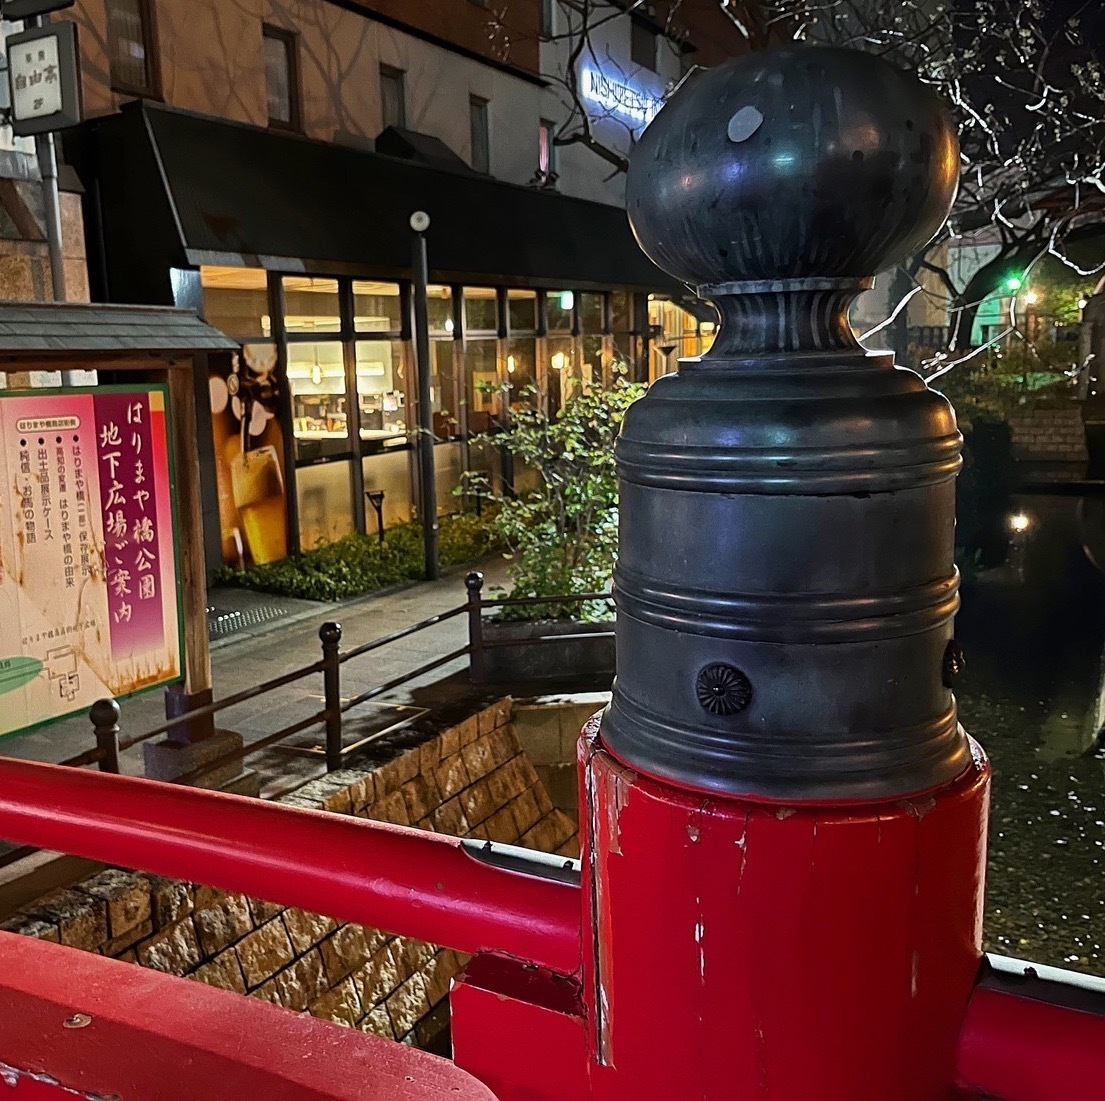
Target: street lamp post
(420,222)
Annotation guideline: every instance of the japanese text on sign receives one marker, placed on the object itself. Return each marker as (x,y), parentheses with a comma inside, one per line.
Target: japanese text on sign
(87,553)
(35,79)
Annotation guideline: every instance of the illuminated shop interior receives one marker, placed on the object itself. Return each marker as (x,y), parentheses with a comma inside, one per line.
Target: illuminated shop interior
(342,362)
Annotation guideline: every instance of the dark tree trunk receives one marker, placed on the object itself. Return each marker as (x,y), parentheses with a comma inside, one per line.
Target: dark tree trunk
(899,338)
(966,306)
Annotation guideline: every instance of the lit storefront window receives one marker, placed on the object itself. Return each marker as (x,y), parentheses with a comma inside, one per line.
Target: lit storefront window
(376,307)
(482,378)
(520,371)
(320,414)
(592,361)
(621,312)
(246,396)
(325,500)
(443,390)
(311,305)
(439,307)
(381,391)
(561,372)
(522,307)
(591,312)
(625,345)
(676,334)
(320,404)
(481,313)
(383,397)
(559,306)
(236,300)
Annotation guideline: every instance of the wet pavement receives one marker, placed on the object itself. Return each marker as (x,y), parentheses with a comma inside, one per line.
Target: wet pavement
(1034,631)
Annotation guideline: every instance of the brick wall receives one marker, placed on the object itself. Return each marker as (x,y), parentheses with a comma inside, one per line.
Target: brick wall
(471,780)
(1049,435)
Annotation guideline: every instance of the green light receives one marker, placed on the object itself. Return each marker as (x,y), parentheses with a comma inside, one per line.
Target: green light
(567,300)
(1013,283)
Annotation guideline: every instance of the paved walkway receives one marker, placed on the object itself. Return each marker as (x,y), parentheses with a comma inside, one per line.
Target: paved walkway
(269,649)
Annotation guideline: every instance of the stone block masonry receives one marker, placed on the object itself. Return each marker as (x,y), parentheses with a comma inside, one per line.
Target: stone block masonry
(547,729)
(1044,434)
(469,780)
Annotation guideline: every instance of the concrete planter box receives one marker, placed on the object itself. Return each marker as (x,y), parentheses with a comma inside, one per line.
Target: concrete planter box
(577,652)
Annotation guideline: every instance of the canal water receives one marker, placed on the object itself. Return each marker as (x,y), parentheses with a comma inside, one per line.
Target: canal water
(1033,627)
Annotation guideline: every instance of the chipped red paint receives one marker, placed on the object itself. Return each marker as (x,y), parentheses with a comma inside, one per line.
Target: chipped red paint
(22,1085)
(520,1030)
(152,1036)
(719,948)
(797,951)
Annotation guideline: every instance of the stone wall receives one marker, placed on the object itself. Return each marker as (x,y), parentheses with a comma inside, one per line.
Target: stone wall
(1045,434)
(470,780)
(548,729)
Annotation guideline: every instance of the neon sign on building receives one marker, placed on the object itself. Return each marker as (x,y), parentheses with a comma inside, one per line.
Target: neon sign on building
(618,98)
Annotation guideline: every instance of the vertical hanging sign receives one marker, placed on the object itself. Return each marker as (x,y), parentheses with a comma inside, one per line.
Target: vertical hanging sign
(88,562)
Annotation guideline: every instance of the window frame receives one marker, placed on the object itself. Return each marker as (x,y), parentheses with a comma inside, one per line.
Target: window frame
(399,77)
(548,15)
(479,108)
(547,127)
(147,18)
(290,42)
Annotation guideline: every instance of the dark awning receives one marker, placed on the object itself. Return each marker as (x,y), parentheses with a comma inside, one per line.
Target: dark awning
(64,328)
(176,189)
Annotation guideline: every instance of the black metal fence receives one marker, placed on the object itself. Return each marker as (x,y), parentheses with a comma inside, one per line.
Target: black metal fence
(105,714)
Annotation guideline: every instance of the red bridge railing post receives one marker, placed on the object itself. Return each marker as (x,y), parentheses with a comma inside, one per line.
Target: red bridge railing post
(784,817)
(783,822)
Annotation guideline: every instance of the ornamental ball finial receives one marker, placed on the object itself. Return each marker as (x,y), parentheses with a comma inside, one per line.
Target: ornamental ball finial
(805,162)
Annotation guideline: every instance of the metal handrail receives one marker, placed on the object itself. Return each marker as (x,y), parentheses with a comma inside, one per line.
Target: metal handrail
(566,598)
(536,640)
(105,714)
(254,747)
(88,757)
(429,667)
(395,636)
(220,705)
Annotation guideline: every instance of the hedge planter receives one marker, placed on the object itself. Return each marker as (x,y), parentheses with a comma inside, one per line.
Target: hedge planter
(574,653)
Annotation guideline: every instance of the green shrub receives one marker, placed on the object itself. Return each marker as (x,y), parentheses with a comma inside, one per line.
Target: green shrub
(562,537)
(360,564)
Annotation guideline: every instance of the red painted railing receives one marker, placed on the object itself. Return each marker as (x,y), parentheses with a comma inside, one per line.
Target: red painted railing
(1024,1039)
(76,1025)
(406,881)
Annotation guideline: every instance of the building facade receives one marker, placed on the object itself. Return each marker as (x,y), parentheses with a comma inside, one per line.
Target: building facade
(25,273)
(259,160)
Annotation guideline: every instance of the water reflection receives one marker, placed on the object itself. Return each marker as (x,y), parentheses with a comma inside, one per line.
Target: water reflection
(1034,631)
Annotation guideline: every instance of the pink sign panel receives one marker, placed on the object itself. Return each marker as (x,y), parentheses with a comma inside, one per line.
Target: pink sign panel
(88,571)
(128,504)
